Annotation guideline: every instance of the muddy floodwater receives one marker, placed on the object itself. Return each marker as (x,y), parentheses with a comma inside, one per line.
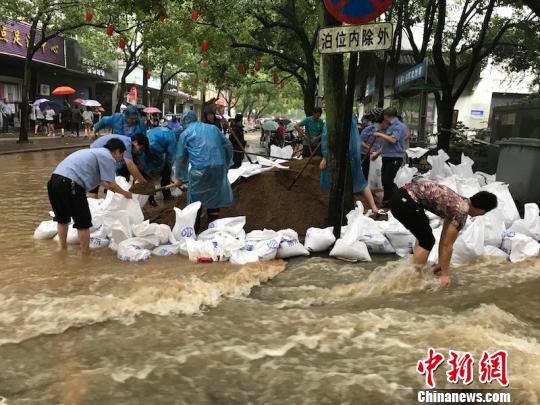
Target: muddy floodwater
(318,331)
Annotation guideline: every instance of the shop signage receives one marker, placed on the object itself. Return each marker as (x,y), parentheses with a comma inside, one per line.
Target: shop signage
(414,73)
(14,40)
(356,38)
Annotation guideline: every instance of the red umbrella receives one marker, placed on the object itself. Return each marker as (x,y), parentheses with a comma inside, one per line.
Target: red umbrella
(78,101)
(101,109)
(63,91)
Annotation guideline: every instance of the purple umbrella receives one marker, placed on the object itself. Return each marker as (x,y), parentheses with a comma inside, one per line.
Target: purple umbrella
(91,103)
(40,100)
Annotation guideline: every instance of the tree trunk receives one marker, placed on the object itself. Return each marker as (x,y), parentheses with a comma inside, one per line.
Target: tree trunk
(334,96)
(145,88)
(445,113)
(310,94)
(381,74)
(161,98)
(23,131)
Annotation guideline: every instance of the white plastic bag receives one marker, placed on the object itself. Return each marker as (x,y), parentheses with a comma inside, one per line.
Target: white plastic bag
(506,203)
(234,225)
(530,224)
(265,243)
(281,153)
(494,251)
(131,250)
(167,250)
(319,240)
(201,249)
(117,226)
(405,175)
(520,247)
(439,169)
(469,245)
(243,256)
(464,169)
(45,230)
(356,251)
(115,202)
(162,231)
(467,186)
(184,226)
(290,246)
(494,227)
(375,171)
(484,179)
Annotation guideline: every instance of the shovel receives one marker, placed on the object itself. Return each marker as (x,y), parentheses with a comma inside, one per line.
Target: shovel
(148,188)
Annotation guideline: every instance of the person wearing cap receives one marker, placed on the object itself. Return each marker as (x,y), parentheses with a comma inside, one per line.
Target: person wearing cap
(393,149)
(158,160)
(203,157)
(127,123)
(360,184)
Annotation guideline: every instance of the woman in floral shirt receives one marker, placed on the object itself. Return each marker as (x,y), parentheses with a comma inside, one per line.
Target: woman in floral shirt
(408,205)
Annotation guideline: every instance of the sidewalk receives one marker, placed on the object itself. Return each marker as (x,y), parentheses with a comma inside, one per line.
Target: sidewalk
(8,143)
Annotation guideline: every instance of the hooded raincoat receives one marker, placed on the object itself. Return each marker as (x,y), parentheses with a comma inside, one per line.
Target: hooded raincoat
(203,157)
(118,123)
(162,150)
(359,181)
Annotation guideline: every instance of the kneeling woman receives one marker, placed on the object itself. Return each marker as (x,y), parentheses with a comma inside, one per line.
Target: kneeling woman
(360,184)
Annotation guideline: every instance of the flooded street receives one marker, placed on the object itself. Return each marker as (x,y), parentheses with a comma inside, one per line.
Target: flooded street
(99,331)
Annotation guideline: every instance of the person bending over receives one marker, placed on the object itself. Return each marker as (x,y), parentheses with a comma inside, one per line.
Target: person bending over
(80,172)
(408,206)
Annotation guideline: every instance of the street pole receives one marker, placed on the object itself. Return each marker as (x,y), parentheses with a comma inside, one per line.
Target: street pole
(339,196)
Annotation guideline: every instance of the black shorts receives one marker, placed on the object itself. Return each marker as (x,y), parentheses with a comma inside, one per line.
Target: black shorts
(68,200)
(413,217)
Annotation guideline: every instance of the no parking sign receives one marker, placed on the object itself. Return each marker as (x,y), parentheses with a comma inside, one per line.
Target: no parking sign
(356,11)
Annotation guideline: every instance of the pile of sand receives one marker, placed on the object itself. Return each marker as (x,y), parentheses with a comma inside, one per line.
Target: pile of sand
(266,203)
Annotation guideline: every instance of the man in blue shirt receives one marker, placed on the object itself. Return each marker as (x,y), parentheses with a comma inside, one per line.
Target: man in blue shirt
(160,157)
(127,123)
(80,172)
(134,145)
(393,150)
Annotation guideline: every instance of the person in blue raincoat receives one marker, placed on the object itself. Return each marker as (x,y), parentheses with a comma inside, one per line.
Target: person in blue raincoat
(360,184)
(203,157)
(159,159)
(127,123)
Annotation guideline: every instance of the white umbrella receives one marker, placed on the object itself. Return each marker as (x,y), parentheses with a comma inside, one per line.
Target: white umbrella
(91,103)
(40,100)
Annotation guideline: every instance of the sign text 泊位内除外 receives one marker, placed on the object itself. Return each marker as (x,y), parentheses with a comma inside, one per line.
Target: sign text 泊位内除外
(15,38)
(356,38)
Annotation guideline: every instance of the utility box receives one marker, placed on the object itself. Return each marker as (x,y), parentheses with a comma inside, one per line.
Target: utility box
(519,166)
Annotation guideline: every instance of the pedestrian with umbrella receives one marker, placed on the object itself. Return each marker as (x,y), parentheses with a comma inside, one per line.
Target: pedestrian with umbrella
(128,123)
(76,119)
(65,117)
(88,120)
(49,119)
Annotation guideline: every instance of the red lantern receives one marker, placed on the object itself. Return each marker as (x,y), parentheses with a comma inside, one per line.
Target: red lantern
(282,85)
(276,78)
(162,17)
(242,69)
(121,43)
(148,75)
(194,15)
(88,16)
(205,64)
(204,46)
(206,79)
(109,30)
(258,65)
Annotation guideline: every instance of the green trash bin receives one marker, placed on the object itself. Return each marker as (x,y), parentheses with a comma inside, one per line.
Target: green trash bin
(519,166)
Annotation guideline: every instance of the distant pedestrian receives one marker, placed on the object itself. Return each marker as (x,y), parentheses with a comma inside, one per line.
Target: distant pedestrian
(6,112)
(237,139)
(311,132)
(49,119)
(65,118)
(76,118)
(88,120)
(40,120)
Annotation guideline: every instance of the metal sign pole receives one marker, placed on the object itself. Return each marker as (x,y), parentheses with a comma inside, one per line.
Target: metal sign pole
(344,144)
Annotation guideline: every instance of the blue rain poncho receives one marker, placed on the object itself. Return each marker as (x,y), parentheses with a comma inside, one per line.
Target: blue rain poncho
(359,181)
(162,150)
(203,158)
(118,123)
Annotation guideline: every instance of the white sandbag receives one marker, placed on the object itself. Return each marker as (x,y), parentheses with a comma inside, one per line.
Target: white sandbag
(439,169)
(162,231)
(484,179)
(225,243)
(96,211)
(265,243)
(530,224)
(117,226)
(405,175)
(402,242)
(356,251)
(433,257)
(494,251)
(97,242)
(319,240)
(131,250)
(233,225)
(167,250)
(290,246)
(184,226)
(72,236)
(243,256)
(494,227)
(45,230)
(281,153)
(464,169)
(201,249)
(368,232)
(375,171)
(467,186)
(520,247)
(141,199)
(469,246)
(416,153)
(117,202)
(506,203)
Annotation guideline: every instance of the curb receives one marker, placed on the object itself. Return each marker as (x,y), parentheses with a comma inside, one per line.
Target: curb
(44,149)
